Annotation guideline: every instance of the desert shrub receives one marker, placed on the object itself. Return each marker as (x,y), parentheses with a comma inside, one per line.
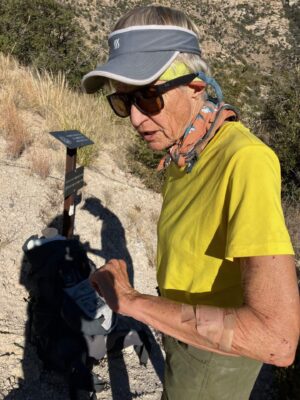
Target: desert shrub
(17,136)
(40,163)
(44,33)
(276,114)
(56,107)
(143,162)
(292,11)
(280,129)
(240,83)
(281,121)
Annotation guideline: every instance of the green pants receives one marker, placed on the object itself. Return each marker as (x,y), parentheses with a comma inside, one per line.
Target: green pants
(193,374)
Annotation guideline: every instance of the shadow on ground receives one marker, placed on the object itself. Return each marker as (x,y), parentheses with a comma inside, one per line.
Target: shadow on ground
(41,384)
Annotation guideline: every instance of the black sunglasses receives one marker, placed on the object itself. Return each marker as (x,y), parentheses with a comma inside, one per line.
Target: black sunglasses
(147,100)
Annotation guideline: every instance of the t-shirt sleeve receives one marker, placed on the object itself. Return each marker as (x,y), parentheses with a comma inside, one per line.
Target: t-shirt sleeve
(255,221)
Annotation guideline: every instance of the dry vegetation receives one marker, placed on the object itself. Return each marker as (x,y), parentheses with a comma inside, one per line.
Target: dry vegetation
(40,163)
(17,136)
(33,104)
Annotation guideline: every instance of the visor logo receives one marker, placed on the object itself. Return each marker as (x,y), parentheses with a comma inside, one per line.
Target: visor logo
(116,43)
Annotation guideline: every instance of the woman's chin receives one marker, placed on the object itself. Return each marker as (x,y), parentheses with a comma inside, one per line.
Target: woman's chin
(154,146)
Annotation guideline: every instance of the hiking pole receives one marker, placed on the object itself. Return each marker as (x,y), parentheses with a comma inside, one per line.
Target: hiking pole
(73,176)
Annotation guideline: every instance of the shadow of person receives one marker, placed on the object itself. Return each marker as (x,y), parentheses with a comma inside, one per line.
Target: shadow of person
(113,245)
(129,333)
(113,239)
(116,365)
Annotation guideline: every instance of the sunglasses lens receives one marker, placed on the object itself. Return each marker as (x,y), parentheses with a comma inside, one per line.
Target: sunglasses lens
(150,105)
(121,104)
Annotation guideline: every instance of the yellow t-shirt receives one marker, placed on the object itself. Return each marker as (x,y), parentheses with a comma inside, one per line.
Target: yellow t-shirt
(229,206)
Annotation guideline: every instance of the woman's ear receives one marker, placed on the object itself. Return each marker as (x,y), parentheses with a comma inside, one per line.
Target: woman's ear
(198,88)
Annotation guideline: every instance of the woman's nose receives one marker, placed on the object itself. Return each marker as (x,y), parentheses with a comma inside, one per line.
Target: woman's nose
(136,116)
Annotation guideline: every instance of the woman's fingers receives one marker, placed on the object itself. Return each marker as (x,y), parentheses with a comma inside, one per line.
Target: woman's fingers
(119,270)
(111,282)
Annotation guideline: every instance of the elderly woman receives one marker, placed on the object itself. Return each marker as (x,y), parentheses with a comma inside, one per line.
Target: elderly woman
(225,269)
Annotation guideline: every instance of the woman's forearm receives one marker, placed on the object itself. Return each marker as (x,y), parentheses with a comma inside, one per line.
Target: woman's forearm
(252,335)
(265,328)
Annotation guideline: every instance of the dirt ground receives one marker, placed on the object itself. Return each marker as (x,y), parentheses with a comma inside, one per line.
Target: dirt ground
(115,212)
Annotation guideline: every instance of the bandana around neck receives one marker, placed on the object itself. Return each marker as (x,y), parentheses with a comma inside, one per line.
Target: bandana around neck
(185,152)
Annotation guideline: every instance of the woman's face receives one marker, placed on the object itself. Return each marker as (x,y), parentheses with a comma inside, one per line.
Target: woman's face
(161,130)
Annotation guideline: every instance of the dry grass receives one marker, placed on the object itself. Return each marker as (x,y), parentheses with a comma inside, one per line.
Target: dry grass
(40,163)
(134,216)
(62,108)
(54,208)
(17,136)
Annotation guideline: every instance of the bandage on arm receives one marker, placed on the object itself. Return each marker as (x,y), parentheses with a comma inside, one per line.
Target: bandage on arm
(266,327)
(215,325)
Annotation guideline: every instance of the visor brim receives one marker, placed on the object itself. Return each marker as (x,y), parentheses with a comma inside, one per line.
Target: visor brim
(136,69)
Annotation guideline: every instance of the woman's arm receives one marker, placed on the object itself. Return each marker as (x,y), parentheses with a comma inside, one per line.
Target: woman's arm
(265,328)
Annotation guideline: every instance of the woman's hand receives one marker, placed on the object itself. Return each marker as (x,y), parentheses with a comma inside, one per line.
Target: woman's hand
(111,282)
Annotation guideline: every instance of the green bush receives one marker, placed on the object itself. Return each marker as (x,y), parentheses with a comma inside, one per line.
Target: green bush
(240,83)
(143,162)
(281,120)
(44,33)
(276,116)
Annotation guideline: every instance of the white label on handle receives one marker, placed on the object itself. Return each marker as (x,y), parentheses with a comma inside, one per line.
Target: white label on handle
(71,210)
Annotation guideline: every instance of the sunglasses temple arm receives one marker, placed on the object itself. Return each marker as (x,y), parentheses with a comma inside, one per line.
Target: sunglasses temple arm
(181,80)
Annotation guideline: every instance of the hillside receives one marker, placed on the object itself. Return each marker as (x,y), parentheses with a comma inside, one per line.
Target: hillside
(232,31)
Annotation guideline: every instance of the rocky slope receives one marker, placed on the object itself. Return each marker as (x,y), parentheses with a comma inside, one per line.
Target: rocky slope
(256,32)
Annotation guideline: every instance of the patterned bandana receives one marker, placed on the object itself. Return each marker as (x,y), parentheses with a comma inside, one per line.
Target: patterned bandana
(185,152)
